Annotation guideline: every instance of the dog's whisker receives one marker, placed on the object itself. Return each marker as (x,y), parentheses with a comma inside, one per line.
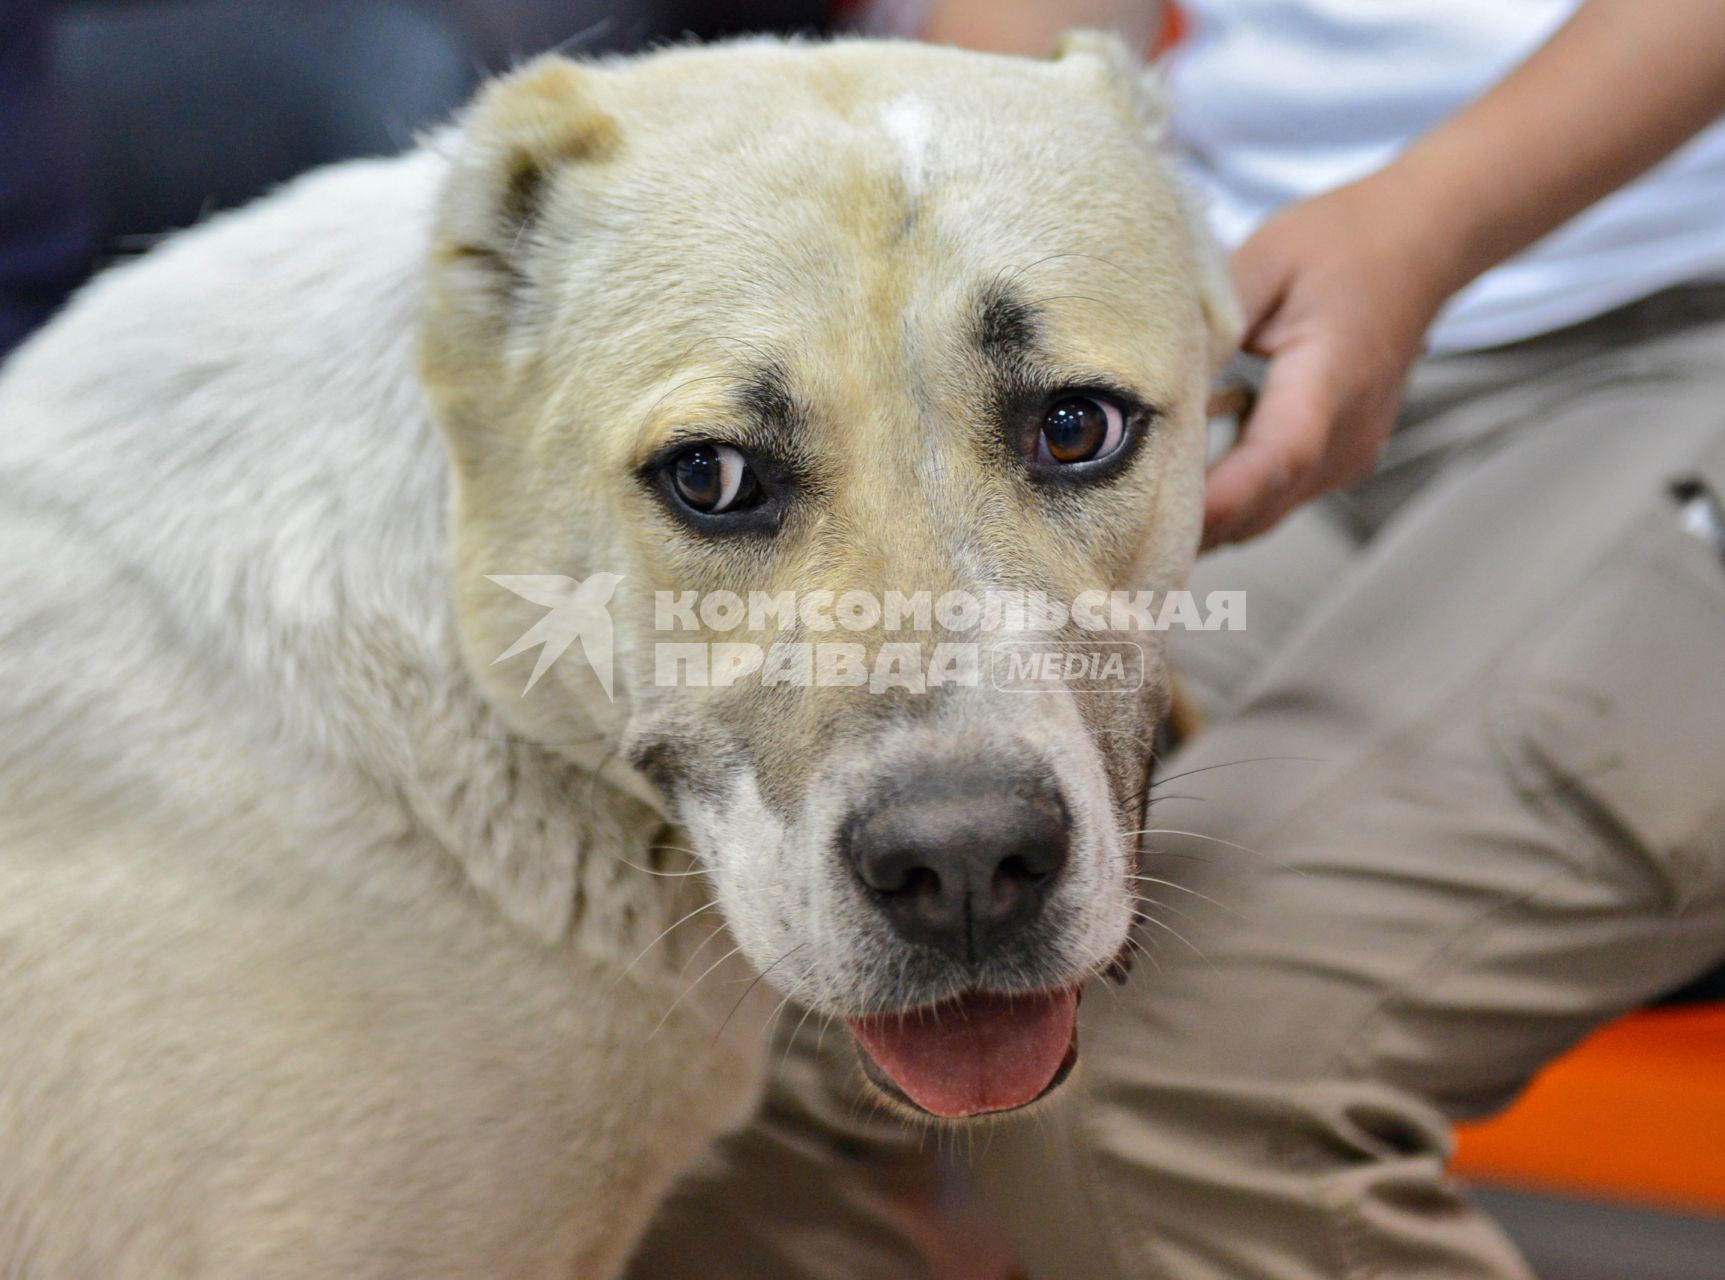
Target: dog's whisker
(706,906)
(1278,863)
(683,994)
(1054,257)
(772,1022)
(716,931)
(1138,948)
(1185,889)
(750,988)
(1155,960)
(1162,924)
(1198,835)
(665,875)
(1146,900)
(1229,764)
(790,1041)
(1078,297)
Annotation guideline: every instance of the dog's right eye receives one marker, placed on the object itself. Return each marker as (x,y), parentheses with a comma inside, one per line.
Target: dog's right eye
(714,479)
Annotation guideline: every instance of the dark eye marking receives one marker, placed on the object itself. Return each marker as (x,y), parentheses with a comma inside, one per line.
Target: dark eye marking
(1005,325)
(766,398)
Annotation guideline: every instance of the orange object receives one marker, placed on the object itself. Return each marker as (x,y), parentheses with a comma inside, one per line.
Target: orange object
(1173,30)
(1636,1113)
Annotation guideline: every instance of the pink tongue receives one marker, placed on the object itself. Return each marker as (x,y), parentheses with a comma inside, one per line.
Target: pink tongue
(976,1053)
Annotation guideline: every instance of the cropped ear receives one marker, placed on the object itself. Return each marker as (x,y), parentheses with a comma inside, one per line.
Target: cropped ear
(519,135)
(1140,91)
(1139,87)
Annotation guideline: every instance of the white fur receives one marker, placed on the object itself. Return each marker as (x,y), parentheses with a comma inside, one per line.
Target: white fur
(907,121)
(242,779)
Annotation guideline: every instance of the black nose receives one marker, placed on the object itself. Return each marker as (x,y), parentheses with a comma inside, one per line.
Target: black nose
(958,859)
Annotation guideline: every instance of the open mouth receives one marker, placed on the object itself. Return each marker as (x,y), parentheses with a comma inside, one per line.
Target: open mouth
(974,1055)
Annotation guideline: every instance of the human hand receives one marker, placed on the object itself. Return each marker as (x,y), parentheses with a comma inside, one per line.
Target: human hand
(1337,292)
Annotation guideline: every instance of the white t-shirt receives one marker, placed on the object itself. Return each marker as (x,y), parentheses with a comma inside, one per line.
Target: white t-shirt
(1279,99)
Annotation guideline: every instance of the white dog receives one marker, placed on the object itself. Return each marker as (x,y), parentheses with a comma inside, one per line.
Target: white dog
(327,952)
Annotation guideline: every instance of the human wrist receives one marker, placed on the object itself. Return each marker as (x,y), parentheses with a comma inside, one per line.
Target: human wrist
(1440,239)
(1470,214)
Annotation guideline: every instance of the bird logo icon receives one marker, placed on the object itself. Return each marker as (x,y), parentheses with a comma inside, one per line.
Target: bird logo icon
(578,611)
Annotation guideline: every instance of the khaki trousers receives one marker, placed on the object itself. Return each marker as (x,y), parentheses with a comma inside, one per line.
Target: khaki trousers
(1461,800)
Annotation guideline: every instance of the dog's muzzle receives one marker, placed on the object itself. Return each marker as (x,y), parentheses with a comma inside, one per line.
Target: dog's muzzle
(962,860)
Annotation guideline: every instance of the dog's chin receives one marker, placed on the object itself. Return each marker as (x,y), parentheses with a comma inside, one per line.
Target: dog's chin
(980,1054)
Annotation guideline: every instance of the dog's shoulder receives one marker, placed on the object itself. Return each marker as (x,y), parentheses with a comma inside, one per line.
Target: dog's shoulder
(192,449)
(227,592)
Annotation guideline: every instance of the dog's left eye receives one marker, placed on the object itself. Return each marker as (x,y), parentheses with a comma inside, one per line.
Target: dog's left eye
(714,479)
(1080,428)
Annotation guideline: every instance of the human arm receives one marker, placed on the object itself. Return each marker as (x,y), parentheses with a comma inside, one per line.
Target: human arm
(1339,290)
(1030,27)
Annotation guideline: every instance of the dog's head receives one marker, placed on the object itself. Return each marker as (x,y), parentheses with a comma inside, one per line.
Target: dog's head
(839,362)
